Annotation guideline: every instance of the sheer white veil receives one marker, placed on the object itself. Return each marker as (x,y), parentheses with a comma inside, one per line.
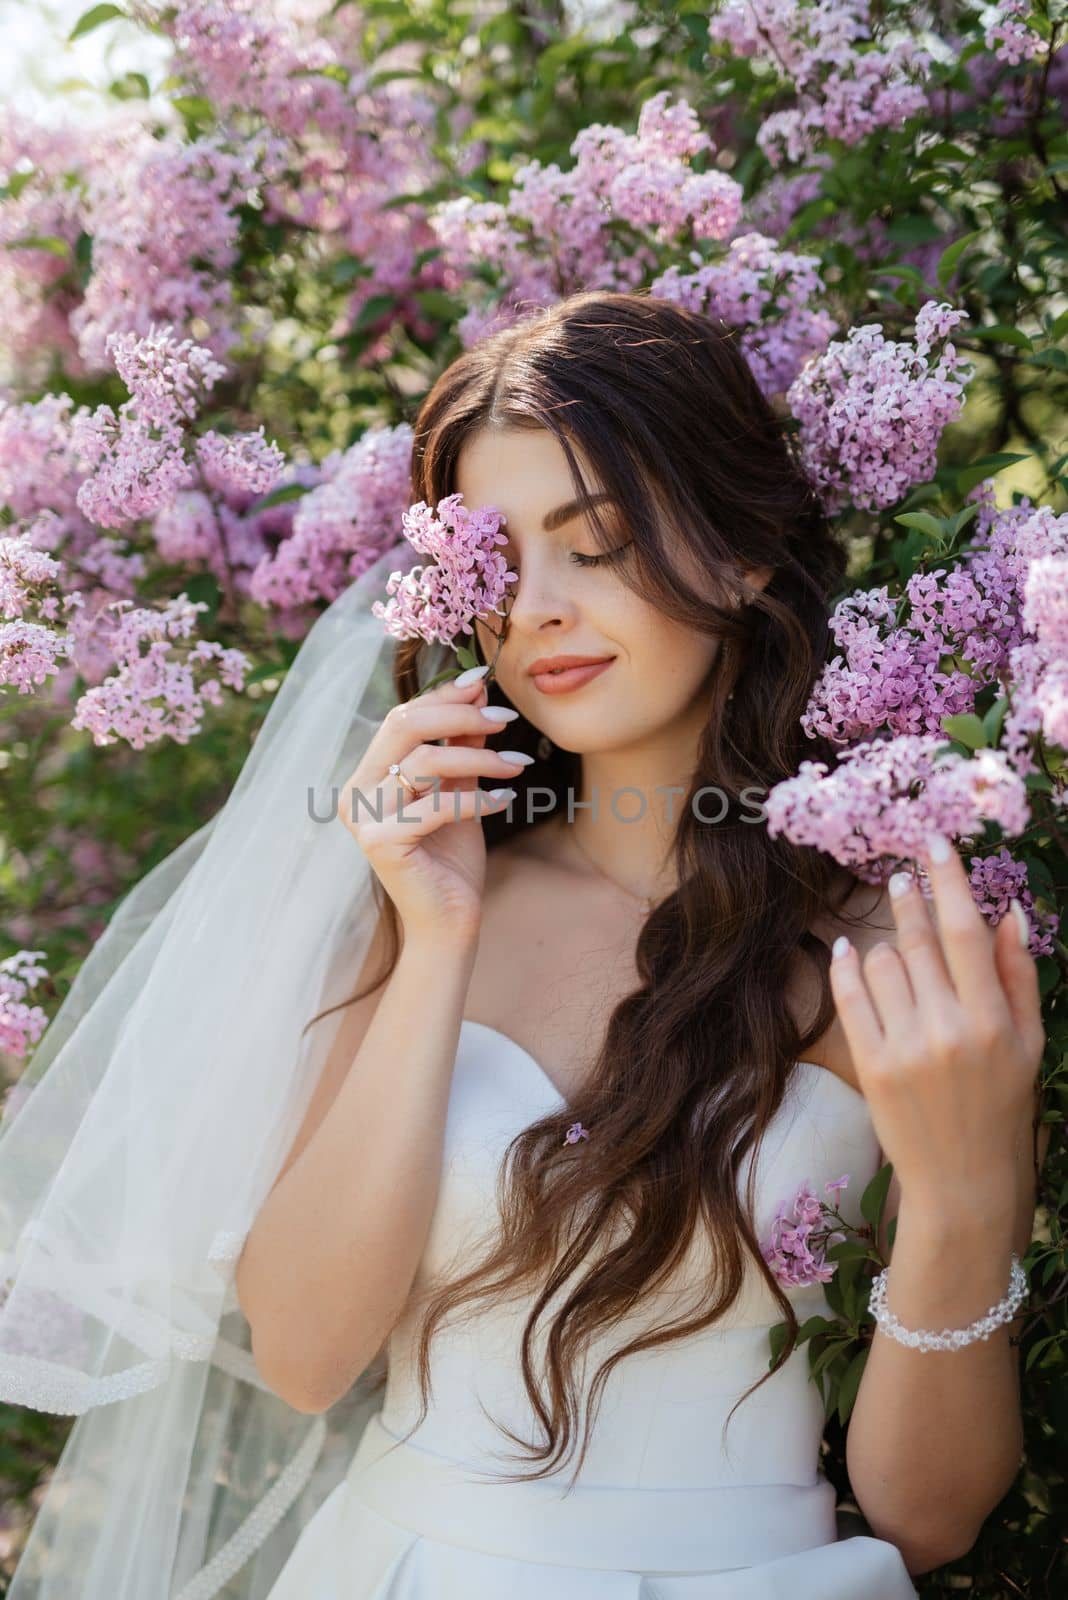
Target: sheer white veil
(163,1098)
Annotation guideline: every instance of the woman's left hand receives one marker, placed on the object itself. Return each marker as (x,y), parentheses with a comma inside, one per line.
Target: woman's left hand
(946,1036)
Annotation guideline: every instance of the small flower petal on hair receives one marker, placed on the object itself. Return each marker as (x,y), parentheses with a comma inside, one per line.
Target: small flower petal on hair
(575,1133)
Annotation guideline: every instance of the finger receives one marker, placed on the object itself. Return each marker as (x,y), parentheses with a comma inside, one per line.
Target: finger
(423,722)
(919,946)
(890,989)
(449,768)
(1019,981)
(419,818)
(967,944)
(430,767)
(858,1016)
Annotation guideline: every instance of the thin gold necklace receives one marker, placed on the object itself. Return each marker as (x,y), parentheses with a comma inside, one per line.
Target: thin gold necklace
(647,902)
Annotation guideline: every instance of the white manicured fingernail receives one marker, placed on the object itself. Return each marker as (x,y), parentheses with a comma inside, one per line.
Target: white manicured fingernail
(518,756)
(498,713)
(938,847)
(1021,923)
(499,794)
(464,678)
(898,884)
(839,947)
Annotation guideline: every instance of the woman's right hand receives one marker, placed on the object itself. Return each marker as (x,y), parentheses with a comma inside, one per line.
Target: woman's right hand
(431,859)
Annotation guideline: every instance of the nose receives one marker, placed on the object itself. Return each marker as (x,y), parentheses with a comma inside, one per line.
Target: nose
(539,598)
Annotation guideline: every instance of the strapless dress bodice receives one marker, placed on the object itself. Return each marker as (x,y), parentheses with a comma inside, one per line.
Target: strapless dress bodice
(666,1504)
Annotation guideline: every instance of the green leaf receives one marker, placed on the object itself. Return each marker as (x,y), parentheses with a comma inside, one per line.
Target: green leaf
(832,1351)
(204,586)
(848,1250)
(924,521)
(777,1341)
(466,656)
(269,669)
(1057,359)
(987,467)
(41,241)
(811,1327)
(873,1199)
(949,258)
(967,728)
(847,1389)
(994,718)
(1002,333)
(92,19)
(278,497)
(374,308)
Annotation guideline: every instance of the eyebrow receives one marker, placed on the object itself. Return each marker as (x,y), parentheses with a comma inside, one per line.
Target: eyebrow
(562,514)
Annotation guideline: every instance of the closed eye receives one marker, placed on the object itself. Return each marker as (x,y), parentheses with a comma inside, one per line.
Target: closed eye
(581,560)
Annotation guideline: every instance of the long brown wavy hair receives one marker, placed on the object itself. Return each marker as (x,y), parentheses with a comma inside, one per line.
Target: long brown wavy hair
(696,1060)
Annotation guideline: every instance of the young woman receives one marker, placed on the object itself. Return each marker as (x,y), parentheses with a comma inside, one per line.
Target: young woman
(598,1038)
(496,1100)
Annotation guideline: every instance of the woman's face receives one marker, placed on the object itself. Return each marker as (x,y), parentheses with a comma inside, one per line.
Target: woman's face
(563,605)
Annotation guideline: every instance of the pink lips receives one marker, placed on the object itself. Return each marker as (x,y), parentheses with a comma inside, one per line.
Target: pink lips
(570,678)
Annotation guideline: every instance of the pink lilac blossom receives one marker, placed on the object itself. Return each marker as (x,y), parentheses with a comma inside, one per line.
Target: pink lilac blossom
(1007,34)
(155,695)
(874,812)
(167,377)
(337,148)
(30,602)
(848,83)
(803,1231)
(559,231)
(956,634)
(240,461)
(164,218)
(23,568)
(872,410)
(186,531)
(135,462)
(20,1024)
(996,881)
(30,653)
(342,526)
(41,219)
(771,294)
(131,468)
(467,579)
(38,463)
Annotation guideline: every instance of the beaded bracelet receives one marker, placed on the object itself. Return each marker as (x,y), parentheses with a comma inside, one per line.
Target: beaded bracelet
(949,1338)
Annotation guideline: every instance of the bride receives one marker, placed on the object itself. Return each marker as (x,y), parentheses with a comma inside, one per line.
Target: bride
(497,1250)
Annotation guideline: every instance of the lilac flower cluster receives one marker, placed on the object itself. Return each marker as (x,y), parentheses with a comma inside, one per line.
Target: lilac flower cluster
(343,524)
(772,294)
(559,231)
(155,695)
(134,461)
(333,147)
(30,650)
(887,795)
(1007,34)
(20,1024)
(164,220)
(467,578)
(803,1231)
(40,221)
(847,83)
(872,410)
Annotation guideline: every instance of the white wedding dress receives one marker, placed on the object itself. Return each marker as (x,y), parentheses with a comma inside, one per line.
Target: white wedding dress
(662,1509)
